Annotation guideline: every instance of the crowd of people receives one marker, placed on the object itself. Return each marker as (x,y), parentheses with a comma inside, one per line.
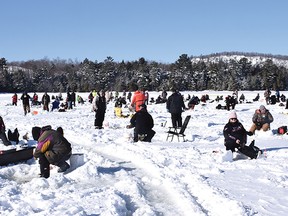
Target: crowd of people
(235,135)
(57,104)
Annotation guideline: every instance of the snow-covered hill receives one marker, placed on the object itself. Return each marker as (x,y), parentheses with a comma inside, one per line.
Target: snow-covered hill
(254,59)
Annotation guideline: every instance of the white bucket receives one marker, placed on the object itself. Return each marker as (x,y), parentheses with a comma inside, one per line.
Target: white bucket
(76,160)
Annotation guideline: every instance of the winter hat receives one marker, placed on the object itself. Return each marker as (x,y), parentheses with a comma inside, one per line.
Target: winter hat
(262,108)
(36,132)
(232,114)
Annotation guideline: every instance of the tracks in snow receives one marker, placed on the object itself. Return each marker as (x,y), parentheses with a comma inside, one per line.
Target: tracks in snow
(170,185)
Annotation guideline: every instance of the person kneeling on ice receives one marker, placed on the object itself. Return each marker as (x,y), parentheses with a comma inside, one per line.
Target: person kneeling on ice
(143,123)
(235,137)
(261,120)
(52,148)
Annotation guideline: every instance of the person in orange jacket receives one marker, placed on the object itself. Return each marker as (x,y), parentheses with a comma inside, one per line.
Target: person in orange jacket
(138,99)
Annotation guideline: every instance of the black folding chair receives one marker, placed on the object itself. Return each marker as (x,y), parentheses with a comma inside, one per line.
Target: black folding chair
(173,131)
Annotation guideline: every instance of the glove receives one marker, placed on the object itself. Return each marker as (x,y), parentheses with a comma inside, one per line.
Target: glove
(242,145)
(249,133)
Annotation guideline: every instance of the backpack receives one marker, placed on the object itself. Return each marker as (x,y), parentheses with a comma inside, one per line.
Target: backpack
(13,136)
(282,130)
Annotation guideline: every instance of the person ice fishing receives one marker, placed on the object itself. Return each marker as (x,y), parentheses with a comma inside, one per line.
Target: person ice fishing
(137,99)
(52,148)
(26,104)
(175,105)
(46,101)
(261,120)
(142,122)
(99,107)
(15,99)
(235,137)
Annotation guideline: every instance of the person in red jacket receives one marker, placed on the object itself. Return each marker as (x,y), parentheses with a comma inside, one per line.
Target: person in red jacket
(14,99)
(138,99)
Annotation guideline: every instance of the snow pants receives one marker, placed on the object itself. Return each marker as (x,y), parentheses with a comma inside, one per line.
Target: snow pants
(176,119)
(45,164)
(264,127)
(99,118)
(147,136)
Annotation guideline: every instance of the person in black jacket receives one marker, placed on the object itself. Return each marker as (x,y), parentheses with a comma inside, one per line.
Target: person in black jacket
(234,133)
(46,101)
(142,122)
(235,137)
(69,100)
(175,105)
(26,104)
(99,107)
(73,97)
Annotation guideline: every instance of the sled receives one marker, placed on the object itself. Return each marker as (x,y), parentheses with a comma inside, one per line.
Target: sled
(15,156)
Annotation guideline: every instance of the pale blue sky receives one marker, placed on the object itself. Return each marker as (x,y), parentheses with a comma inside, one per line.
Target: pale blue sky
(159,30)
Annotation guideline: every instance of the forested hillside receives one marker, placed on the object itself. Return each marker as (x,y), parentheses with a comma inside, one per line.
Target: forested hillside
(222,71)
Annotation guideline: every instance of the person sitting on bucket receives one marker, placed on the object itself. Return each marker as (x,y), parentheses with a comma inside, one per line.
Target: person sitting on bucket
(52,148)
(235,137)
(143,123)
(261,120)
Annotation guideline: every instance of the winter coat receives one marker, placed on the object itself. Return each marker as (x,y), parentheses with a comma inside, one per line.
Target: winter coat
(142,121)
(262,118)
(69,97)
(14,98)
(267,93)
(138,99)
(233,131)
(164,95)
(35,97)
(53,145)
(230,100)
(25,99)
(73,96)
(175,103)
(46,99)
(194,100)
(99,104)
(55,104)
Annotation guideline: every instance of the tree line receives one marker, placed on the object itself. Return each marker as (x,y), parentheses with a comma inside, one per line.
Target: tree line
(185,73)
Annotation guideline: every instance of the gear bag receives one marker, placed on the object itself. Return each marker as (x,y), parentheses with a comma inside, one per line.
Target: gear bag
(282,130)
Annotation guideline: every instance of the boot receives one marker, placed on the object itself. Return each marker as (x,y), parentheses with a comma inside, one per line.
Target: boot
(45,173)
(63,167)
